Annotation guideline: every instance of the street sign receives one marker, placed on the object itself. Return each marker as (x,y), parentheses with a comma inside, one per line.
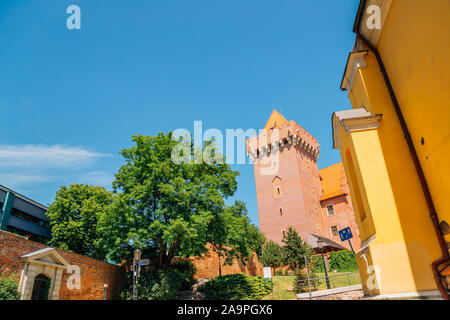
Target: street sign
(345,234)
(143,262)
(267,272)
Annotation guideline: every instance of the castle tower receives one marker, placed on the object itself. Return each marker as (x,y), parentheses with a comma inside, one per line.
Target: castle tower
(287,178)
(292,191)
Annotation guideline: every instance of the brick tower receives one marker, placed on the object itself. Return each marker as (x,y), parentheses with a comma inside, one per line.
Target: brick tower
(289,187)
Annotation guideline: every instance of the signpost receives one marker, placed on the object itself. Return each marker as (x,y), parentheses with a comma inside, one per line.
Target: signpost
(346,234)
(106,287)
(268,275)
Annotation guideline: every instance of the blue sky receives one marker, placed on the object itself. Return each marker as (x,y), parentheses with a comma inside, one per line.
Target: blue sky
(71,99)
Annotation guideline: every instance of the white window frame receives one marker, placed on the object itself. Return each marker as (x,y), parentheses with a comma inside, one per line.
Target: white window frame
(331,230)
(328,213)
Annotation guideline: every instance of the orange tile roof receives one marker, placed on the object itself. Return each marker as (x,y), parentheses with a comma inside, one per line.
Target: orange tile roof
(275,120)
(331,181)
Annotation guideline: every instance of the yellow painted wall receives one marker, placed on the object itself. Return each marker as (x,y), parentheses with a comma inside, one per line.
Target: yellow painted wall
(415,49)
(420,76)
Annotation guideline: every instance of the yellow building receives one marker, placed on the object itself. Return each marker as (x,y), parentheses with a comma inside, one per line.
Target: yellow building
(395,145)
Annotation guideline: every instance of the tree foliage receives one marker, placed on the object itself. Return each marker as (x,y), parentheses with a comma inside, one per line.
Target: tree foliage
(295,249)
(74,217)
(232,235)
(272,255)
(164,208)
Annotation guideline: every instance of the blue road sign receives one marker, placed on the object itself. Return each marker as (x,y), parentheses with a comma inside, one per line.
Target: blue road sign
(345,234)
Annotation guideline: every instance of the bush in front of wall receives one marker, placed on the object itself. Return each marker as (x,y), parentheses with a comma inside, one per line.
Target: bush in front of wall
(9,288)
(343,261)
(236,287)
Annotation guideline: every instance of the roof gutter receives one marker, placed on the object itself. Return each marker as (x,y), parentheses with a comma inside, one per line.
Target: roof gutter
(426,191)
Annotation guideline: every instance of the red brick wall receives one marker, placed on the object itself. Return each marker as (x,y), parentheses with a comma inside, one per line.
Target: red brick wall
(94,273)
(300,184)
(208,266)
(343,217)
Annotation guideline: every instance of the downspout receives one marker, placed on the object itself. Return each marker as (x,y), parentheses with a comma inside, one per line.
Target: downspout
(426,191)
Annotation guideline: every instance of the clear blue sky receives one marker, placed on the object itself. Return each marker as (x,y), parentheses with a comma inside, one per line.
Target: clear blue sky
(71,99)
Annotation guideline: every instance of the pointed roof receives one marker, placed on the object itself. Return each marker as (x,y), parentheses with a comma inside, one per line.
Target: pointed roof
(47,256)
(276,120)
(313,238)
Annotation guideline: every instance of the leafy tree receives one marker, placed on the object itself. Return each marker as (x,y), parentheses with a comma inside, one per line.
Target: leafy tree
(272,255)
(165,206)
(74,217)
(233,236)
(295,249)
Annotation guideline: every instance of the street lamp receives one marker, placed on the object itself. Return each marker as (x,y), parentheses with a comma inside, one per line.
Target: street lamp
(137,257)
(320,245)
(137,254)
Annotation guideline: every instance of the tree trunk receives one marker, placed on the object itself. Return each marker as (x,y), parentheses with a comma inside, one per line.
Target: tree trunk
(220,267)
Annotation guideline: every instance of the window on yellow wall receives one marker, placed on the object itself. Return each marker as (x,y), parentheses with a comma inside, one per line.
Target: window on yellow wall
(334,231)
(330,210)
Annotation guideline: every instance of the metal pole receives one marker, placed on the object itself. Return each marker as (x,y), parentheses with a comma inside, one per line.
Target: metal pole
(350,243)
(134,280)
(326,273)
(307,275)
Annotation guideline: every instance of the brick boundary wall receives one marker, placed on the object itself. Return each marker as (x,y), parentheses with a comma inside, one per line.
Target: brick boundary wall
(208,266)
(94,273)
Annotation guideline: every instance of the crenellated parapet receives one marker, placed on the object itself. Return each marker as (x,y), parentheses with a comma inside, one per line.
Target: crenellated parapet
(289,134)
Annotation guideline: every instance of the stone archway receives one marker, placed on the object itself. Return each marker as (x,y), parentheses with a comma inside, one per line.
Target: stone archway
(41,287)
(39,264)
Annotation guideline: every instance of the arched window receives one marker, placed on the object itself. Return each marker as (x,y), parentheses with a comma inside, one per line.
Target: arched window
(281,211)
(277,190)
(41,287)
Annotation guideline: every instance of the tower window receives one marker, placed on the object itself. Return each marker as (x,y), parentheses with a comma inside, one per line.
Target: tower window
(281,211)
(334,231)
(330,210)
(283,232)
(277,192)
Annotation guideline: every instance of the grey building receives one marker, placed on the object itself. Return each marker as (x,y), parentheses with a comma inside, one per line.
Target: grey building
(23,216)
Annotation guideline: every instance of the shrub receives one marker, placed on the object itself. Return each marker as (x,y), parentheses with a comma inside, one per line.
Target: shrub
(317,264)
(186,270)
(343,261)
(154,285)
(9,288)
(236,287)
(279,272)
(301,281)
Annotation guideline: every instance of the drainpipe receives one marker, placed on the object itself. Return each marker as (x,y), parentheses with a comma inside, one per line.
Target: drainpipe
(426,191)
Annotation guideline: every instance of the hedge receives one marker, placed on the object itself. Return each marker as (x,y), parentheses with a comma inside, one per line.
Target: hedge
(236,287)
(9,288)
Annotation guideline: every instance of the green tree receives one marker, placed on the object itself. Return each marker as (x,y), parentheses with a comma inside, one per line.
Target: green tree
(272,255)
(233,236)
(74,217)
(295,249)
(165,206)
